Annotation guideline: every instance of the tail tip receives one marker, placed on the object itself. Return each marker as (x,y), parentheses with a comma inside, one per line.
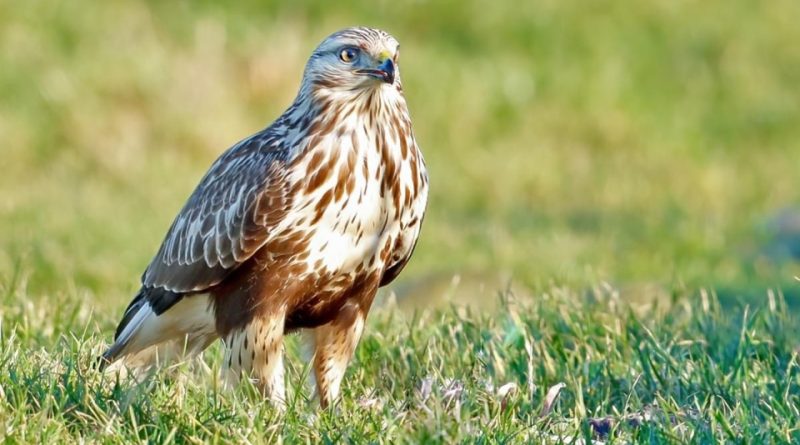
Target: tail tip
(110,356)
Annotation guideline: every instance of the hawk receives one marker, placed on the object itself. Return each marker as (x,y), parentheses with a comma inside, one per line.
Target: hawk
(294,228)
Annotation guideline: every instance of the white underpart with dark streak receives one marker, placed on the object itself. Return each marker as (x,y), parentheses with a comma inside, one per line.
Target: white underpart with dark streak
(347,236)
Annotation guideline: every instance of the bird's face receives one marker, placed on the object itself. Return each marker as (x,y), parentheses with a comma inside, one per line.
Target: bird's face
(355,59)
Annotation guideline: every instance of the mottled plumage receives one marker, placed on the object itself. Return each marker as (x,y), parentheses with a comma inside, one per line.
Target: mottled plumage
(294,227)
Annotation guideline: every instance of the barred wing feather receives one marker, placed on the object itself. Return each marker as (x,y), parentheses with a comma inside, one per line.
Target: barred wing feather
(225,221)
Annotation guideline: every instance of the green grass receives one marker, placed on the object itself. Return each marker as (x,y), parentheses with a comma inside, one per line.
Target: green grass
(604,160)
(662,373)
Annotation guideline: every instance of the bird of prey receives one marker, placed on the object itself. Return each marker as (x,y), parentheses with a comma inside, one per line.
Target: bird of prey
(293,228)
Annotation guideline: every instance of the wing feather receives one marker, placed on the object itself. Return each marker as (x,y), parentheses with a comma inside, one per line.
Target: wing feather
(225,221)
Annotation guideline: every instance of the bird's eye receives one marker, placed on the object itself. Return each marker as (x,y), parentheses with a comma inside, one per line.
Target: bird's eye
(348,55)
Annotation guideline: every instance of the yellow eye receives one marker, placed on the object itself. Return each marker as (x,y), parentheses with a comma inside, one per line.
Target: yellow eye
(348,55)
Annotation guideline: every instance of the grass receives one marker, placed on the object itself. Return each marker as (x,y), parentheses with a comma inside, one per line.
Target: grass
(597,164)
(660,373)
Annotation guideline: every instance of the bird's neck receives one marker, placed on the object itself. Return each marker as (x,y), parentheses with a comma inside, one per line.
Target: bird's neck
(322,113)
(346,107)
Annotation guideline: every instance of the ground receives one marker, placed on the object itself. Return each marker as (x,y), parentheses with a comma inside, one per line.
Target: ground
(613,187)
(660,373)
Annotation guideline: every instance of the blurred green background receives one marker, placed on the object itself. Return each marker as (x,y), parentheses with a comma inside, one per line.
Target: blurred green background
(569,142)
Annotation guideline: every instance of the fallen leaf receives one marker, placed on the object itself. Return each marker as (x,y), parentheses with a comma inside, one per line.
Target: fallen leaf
(505,392)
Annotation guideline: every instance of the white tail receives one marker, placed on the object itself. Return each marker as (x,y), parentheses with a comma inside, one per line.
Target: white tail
(186,328)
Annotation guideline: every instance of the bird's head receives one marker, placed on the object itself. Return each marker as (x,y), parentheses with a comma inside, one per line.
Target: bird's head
(354,60)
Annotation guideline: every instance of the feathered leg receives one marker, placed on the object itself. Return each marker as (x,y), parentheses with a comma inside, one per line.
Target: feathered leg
(257,351)
(334,344)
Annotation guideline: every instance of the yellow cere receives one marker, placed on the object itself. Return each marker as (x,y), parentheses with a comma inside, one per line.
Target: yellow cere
(384,55)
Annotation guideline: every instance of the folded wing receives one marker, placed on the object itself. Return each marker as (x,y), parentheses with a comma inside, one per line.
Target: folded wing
(225,221)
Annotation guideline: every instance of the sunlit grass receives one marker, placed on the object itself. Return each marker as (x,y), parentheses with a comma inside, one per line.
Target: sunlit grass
(673,372)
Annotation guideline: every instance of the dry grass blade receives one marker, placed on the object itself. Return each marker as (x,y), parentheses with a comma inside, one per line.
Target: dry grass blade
(425,388)
(550,398)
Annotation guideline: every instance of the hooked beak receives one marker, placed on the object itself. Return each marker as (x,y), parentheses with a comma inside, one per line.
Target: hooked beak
(383,72)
